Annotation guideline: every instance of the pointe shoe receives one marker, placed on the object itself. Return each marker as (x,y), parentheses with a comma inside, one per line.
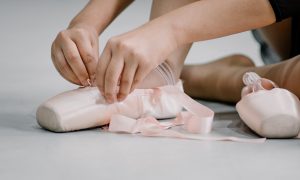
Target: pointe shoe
(269,111)
(85,108)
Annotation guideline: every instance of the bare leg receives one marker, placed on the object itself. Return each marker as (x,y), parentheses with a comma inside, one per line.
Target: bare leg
(219,80)
(222,80)
(175,61)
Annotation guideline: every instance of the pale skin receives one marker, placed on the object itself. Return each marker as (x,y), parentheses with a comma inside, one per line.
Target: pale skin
(75,51)
(128,58)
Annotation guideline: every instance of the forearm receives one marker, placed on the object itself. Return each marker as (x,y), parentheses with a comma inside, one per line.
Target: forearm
(209,19)
(98,14)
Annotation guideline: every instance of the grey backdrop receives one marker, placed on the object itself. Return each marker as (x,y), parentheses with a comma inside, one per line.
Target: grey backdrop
(28,78)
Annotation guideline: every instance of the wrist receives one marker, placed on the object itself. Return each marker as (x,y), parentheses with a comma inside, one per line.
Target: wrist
(82,25)
(163,34)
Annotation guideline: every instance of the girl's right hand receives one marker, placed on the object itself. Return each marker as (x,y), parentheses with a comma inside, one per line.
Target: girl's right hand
(74,53)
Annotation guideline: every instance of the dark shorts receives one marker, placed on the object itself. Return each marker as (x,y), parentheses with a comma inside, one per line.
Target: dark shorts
(283,9)
(268,55)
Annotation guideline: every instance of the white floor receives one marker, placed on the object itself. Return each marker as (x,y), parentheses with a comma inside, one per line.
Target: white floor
(28,78)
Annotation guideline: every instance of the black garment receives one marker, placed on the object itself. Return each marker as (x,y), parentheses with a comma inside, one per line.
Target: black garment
(268,55)
(283,9)
(289,8)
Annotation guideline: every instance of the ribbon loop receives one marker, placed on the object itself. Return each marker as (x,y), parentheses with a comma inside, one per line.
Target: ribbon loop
(196,119)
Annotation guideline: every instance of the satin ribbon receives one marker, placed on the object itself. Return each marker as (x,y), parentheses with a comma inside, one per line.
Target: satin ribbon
(197,119)
(254,83)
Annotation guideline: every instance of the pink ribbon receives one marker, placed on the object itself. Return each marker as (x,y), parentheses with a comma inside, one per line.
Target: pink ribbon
(197,119)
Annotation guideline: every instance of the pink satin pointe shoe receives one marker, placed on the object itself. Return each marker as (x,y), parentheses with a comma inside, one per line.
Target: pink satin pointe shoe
(85,108)
(269,111)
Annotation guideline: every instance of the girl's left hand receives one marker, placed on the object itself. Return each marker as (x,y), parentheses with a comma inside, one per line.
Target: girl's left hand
(128,58)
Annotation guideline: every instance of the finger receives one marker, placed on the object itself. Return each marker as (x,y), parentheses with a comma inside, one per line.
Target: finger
(62,66)
(112,75)
(140,75)
(88,54)
(101,68)
(74,60)
(95,45)
(127,77)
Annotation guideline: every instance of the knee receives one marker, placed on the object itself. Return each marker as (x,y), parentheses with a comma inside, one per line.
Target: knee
(240,59)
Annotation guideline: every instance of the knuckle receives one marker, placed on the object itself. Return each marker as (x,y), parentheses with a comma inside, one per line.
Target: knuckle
(145,65)
(122,45)
(136,54)
(71,57)
(125,82)
(62,34)
(89,58)
(136,81)
(133,53)
(80,32)
(111,41)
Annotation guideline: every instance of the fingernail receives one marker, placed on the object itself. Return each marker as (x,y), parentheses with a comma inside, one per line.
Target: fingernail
(109,99)
(121,97)
(84,83)
(93,79)
(89,82)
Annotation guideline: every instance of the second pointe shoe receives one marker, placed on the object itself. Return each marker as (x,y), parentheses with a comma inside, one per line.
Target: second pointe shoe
(269,111)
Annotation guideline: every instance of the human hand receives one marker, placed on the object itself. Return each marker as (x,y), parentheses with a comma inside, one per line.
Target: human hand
(75,53)
(127,59)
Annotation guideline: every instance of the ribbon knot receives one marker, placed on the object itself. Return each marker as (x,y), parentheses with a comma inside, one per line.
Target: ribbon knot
(196,119)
